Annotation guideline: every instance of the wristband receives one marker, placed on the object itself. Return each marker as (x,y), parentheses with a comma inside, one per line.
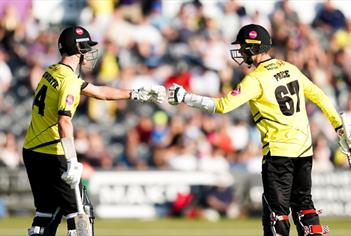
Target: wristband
(200,102)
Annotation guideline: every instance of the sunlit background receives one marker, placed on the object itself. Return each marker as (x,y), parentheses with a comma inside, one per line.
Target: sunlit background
(144,161)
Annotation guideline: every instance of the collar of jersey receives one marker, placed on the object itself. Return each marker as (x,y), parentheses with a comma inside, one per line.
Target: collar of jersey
(262,62)
(66,65)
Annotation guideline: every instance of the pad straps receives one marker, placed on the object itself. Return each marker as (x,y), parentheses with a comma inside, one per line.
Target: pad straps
(275,218)
(313,229)
(316,229)
(302,213)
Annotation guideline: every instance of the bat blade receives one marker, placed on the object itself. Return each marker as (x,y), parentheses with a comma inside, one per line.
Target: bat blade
(83,226)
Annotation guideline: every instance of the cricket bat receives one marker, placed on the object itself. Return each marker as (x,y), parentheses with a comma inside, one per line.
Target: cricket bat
(346,123)
(82,220)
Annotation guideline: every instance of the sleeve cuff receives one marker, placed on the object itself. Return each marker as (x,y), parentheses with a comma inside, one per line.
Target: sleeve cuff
(65,113)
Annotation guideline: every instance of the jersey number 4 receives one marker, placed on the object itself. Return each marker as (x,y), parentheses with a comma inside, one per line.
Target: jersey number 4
(283,95)
(40,98)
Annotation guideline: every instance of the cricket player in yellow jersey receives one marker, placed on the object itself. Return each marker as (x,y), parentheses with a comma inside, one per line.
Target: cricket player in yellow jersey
(276,92)
(49,152)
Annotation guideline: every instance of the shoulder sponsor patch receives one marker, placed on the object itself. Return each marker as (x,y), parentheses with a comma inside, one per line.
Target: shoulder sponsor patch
(69,99)
(235,92)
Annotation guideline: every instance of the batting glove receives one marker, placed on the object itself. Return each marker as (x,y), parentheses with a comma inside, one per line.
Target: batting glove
(153,93)
(343,141)
(73,173)
(139,95)
(158,94)
(176,94)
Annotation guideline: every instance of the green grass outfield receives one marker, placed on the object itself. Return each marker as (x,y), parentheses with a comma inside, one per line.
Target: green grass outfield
(171,227)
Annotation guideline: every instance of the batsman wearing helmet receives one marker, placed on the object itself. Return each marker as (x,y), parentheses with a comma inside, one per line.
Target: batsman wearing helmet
(275,91)
(49,152)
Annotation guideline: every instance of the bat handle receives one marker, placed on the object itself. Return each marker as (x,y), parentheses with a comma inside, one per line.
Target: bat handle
(349,158)
(78,200)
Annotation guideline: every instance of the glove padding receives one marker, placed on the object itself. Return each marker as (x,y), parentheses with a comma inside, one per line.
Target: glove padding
(73,173)
(152,93)
(176,94)
(344,143)
(158,94)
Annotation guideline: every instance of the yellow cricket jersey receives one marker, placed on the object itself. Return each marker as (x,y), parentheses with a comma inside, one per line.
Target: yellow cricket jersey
(276,92)
(58,93)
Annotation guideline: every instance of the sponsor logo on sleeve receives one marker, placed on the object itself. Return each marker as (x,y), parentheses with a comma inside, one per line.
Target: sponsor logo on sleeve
(69,99)
(235,92)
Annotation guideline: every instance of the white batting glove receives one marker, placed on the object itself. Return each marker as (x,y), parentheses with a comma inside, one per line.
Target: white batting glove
(73,173)
(158,94)
(176,94)
(343,142)
(140,95)
(153,93)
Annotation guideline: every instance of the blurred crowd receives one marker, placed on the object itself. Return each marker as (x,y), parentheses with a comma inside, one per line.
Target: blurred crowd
(140,44)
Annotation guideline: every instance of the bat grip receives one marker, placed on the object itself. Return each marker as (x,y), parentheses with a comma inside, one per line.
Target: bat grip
(78,200)
(349,158)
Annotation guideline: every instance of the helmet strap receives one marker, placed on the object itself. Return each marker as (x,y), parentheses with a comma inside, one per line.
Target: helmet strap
(249,53)
(81,59)
(249,61)
(254,50)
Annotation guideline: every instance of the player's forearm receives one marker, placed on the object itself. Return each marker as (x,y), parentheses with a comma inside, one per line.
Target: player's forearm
(109,93)
(65,127)
(105,92)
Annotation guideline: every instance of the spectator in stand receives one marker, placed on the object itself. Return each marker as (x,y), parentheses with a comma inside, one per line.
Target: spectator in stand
(214,162)
(5,77)
(230,17)
(172,142)
(102,12)
(185,22)
(181,75)
(182,155)
(121,36)
(160,129)
(10,18)
(81,142)
(290,15)
(342,37)
(205,81)
(9,152)
(108,66)
(322,157)
(219,202)
(342,76)
(138,150)
(329,18)
(98,155)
